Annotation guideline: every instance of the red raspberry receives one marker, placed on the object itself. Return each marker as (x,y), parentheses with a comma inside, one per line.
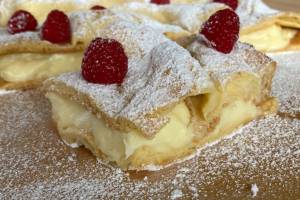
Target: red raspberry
(160,1)
(21,21)
(57,28)
(104,62)
(222,30)
(97,7)
(231,3)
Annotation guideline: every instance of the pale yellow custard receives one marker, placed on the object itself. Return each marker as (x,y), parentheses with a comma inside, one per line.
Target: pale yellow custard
(28,66)
(271,38)
(132,148)
(72,118)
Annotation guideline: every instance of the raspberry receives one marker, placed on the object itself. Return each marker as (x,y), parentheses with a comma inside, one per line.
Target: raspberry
(104,62)
(97,7)
(231,3)
(160,1)
(21,21)
(56,28)
(222,30)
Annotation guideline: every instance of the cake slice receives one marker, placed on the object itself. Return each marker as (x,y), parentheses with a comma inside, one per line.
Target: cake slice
(26,59)
(166,106)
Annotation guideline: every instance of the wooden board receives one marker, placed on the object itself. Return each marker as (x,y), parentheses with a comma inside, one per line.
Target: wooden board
(288,5)
(265,155)
(261,160)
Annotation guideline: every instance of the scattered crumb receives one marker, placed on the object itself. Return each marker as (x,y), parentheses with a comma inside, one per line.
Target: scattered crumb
(254,190)
(4,92)
(176,194)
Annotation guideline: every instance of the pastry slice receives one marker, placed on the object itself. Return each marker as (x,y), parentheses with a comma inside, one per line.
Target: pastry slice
(40,9)
(189,16)
(268,29)
(167,104)
(26,58)
(141,121)
(265,28)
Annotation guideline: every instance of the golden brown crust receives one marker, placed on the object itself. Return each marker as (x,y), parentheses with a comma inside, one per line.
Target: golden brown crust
(288,20)
(143,156)
(31,43)
(284,19)
(33,84)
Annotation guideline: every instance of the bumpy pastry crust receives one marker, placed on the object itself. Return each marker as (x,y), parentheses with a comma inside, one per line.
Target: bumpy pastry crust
(85,25)
(254,16)
(243,58)
(156,85)
(40,9)
(188,16)
(153,84)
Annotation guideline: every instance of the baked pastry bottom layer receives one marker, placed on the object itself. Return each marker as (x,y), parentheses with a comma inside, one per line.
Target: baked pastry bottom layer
(179,138)
(29,69)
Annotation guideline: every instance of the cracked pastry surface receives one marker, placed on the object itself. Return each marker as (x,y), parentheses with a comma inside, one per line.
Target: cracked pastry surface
(36,59)
(258,21)
(40,8)
(139,121)
(162,92)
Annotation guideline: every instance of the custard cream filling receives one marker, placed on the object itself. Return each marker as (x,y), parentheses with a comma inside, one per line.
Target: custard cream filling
(118,146)
(30,66)
(271,38)
(73,119)
(234,115)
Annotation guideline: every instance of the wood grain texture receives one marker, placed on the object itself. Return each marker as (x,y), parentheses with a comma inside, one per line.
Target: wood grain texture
(288,5)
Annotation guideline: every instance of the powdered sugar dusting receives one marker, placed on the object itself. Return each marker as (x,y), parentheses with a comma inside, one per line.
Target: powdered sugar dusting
(188,16)
(243,58)
(287,81)
(253,11)
(85,26)
(176,194)
(37,165)
(160,74)
(191,16)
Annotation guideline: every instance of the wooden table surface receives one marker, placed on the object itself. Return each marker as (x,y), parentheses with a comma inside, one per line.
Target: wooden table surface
(290,5)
